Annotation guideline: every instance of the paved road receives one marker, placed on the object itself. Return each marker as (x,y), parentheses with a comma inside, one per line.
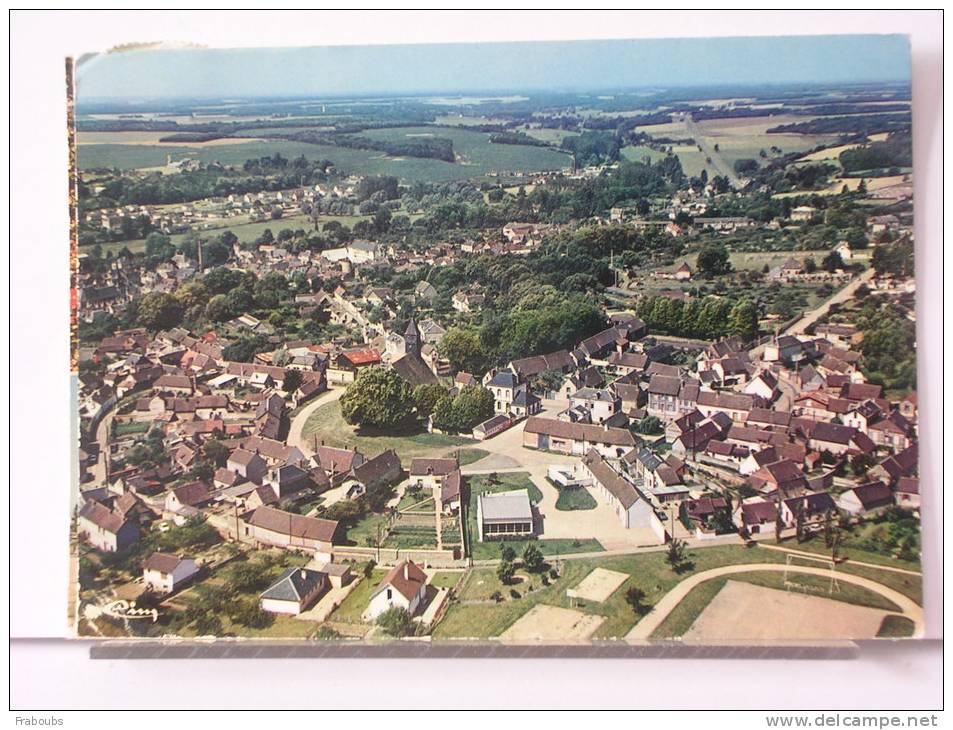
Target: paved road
(840,296)
(102,438)
(644,628)
(296,431)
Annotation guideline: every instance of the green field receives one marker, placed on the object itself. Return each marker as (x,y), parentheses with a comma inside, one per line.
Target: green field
(475,155)
(648,571)
(639,153)
(328,424)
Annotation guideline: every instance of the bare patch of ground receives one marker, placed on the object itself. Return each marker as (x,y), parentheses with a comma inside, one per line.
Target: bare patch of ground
(549,623)
(742,611)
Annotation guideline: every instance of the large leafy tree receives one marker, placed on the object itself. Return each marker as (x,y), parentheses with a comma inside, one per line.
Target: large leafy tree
(713,260)
(159,310)
(378,398)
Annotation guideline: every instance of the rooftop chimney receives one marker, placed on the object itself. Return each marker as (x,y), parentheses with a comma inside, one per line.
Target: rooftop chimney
(406,571)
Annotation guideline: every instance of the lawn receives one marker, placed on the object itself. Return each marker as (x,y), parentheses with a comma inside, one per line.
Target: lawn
(356,602)
(848,550)
(648,571)
(446,578)
(481,483)
(575,498)
(129,427)
(638,153)
(698,599)
(328,424)
(469,456)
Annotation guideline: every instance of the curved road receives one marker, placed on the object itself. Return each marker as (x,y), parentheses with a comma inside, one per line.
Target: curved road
(296,430)
(644,628)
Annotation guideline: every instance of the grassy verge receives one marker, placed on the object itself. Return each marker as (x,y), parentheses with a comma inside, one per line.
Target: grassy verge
(575,498)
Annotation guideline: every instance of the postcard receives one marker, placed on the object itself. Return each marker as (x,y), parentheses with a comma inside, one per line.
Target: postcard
(508,343)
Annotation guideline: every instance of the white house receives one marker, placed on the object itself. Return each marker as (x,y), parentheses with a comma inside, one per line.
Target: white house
(165,573)
(405,586)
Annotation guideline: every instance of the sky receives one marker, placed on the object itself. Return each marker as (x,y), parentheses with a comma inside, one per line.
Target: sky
(493,67)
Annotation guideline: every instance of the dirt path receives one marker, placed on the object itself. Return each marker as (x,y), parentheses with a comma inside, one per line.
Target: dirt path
(644,628)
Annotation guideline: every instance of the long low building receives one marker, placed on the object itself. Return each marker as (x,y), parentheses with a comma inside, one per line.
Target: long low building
(631,507)
(576,438)
(270,526)
(504,514)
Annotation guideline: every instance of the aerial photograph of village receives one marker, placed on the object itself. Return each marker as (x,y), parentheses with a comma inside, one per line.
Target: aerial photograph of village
(528,343)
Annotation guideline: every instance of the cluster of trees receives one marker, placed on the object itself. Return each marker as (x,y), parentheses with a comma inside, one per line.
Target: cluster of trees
(521,332)
(437,148)
(888,346)
(470,407)
(894,258)
(895,151)
(706,318)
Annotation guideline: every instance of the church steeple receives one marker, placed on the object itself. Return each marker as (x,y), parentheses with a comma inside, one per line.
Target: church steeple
(412,338)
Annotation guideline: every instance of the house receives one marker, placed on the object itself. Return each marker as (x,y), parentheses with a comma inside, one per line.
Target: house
(294,592)
(194,494)
(866,499)
(165,573)
(529,367)
(105,529)
(634,511)
(736,405)
(525,404)
(425,290)
(683,272)
(504,514)
(598,405)
(670,397)
(270,526)
(382,469)
(756,516)
(785,348)
(465,302)
(782,476)
(907,493)
(287,478)
(576,438)
(405,587)
(336,462)
(430,473)
(247,464)
(345,366)
(903,464)
(813,508)
(505,386)
(803,213)
(629,362)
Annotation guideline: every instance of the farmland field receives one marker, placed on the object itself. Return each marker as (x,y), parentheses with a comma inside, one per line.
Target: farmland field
(639,153)
(476,156)
(474,151)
